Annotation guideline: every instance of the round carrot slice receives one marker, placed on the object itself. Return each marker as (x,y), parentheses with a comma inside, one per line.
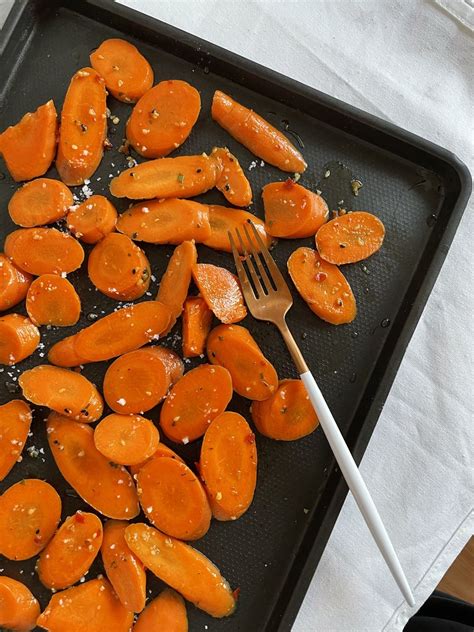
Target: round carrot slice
(15,422)
(19,338)
(167,611)
(29,514)
(162,450)
(194,401)
(224,220)
(126,439)
(173,363)
(92,220)
(221,291)
(350,238)
(14,283)
(52,300)
(63,353)
(18,607)
(173,499)
(71,551)
(41,201)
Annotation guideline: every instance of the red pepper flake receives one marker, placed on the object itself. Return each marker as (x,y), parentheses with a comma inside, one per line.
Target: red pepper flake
(236,593)
(288,184)
(79,518)
(321,276)
(250,438)
(37,539)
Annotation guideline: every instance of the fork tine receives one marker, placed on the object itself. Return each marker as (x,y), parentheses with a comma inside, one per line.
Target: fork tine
(247,288)
(250,264)
(276,275)
(258,262)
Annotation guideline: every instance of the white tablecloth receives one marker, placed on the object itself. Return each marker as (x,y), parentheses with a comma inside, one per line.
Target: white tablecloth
(412,64)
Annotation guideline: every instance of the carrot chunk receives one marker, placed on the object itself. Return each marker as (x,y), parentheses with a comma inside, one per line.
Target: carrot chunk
(223,220)
(19,609)
(175,281)
(14,283)
(41,201)
(15,422)
(197,320)
(221,291)
(168,610)
(92,220)
(19,338)
(63,353)
(126,439)
(173,363)
(232,183)
(161,451)
(52,300)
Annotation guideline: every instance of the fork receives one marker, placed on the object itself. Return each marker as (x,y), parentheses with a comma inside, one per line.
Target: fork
(268,298)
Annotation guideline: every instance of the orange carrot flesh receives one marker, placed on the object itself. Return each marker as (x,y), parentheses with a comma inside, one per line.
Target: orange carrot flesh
(171,360)
(183,568)
(168,610)
(106,486)
(223,220)
(123,569)
(166,221)
(350,238)
(323,286)
(194,401)
(162,450)
(221,291)
(44,251)
(93,219)
(232,347)
(197,320)
(126,439)
(19,338)
(255,133)
(91,606)
(29,514)
(83,127)
(15,422)
(163,118)
(41,201)
(52,300)
(71,551)
(14,283)
(19,609)
(287,415)
(28,147)
(228,466)
(126,73)
(63,353)
(119,268)
(232,182)
(175,281)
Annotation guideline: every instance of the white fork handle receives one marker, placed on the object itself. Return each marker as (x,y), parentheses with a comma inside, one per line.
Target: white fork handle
(356,484)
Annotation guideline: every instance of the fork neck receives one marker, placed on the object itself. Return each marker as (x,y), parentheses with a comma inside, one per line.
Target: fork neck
(293,348)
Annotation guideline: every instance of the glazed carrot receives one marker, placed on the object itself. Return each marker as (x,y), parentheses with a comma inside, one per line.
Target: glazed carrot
(19,338)
(163,118)
(52,300)
(71,551)
(166,221)
(124,570)
(106,486)
(162,450)
(15,422)
(64,354)
(28,147)
(221,291)
(18,607)
(223,219)
(44,251)
(233,347)
(14,283)
(197,320)
(91,606)
(286,415)
(183,568)
(174,284)
(255,133)
(182,177)
(119,268)
(167,611)
(41,201)
(29,514)
(173,363)
(136,381)
(350,238)
(126,439)
(323,286)
(126,73)
(232,182)
(66,392)
(92,220)
(193,402)
(228,466)
(83,127)
(292,211)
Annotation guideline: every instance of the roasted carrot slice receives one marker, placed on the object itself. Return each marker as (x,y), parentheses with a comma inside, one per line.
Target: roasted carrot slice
(91,606)
(64,354)
(71,551)
(193,402)
(66,392)
(174,284)
(83,127)
(162,450)
(255,133)
(323,286)
(18,607)
(14,283)
(221,291)
(44,251)
(15,422)
(28,147)
(29,514)
(173,363)
(183,568)
(232,182)
(41,201)
(106,486)
(92,220)
(292,211)
(167,611)
(124,570)
(126,439)
(232,346)
(126,73)
(19,338)
(52,300)
(223,220)
(163,118)
(197,320)
(182,177)
(228,465)
(119,268)
(350,238)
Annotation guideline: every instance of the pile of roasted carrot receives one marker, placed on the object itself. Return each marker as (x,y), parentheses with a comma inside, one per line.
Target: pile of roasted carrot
(117,463)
